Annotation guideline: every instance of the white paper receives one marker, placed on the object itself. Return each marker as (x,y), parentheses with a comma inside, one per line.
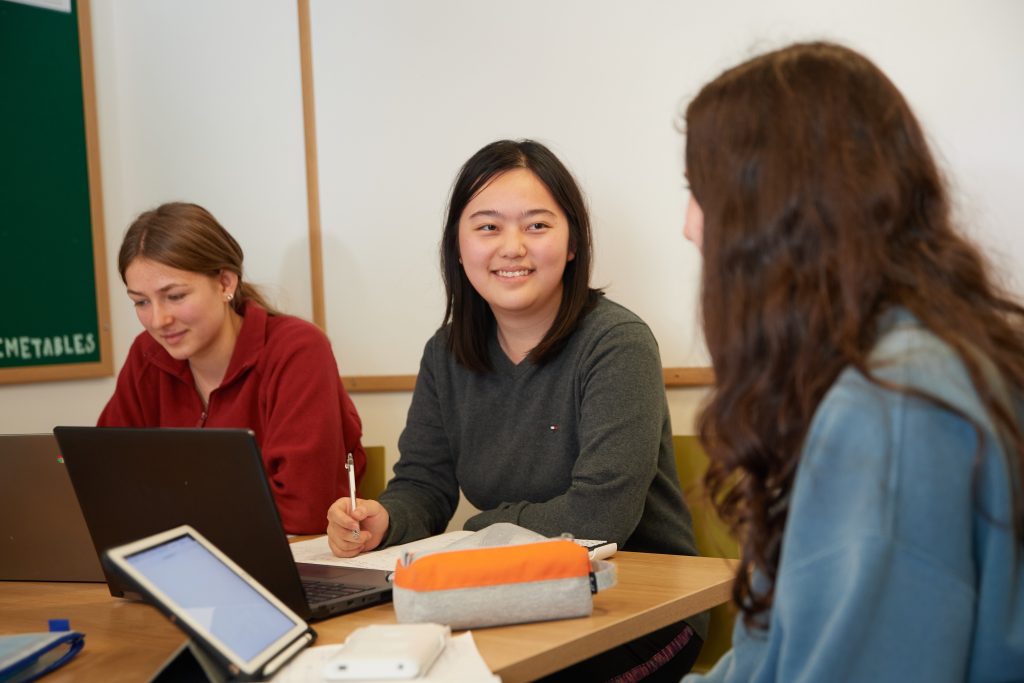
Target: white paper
(459,662)
(316,551)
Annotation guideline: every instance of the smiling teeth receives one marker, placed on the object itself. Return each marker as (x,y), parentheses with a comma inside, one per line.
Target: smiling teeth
(513,273)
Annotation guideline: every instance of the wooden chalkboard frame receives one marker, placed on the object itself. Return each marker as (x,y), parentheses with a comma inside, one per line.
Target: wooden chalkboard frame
(104,366)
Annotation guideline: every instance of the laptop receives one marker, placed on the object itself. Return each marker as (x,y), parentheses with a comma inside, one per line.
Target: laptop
(42,534)
(133,482)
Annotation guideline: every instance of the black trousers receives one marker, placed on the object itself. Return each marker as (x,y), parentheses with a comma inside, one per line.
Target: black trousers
(663,655)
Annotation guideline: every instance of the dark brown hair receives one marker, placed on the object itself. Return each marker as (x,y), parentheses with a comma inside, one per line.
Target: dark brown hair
(188,237)
(469,314)
(823,208)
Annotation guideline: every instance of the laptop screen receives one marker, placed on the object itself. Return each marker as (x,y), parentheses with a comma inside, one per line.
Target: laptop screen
(218,600)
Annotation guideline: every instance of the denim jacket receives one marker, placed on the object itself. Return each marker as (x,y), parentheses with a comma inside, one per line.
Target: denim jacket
(899,561)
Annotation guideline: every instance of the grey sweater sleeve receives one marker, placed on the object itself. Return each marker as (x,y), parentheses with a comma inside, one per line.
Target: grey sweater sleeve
(422,496)
(621,396)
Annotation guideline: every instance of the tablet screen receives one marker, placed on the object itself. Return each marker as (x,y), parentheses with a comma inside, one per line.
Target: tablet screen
(219,600)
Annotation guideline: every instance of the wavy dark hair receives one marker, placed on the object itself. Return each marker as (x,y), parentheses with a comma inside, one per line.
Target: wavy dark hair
(823,208)
(469,314)
(187,237)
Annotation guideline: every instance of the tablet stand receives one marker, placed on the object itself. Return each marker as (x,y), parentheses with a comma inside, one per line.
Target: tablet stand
(189,664)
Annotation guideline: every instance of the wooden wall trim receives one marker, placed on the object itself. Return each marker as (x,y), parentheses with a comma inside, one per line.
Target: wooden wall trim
(316,260)
(675,378)
(357,384)
(688,377)
(92,145)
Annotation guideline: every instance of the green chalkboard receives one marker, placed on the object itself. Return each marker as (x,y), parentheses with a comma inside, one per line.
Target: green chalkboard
(55,318)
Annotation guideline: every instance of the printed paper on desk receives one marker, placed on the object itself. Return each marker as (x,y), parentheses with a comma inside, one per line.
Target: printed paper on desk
(317,551)
(460,662)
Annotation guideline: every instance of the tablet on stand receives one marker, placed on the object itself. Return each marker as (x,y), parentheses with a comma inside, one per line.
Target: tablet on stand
(237,629)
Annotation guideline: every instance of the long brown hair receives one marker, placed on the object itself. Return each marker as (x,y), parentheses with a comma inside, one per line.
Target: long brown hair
(188,237)
(823,208)
(470,316)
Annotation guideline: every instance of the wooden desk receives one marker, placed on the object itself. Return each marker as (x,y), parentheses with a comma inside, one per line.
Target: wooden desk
(127,641)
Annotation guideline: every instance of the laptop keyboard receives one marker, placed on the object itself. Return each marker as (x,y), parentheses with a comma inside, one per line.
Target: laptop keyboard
(325,591)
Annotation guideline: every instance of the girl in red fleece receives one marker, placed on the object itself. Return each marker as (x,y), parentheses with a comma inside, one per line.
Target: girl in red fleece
(215,354)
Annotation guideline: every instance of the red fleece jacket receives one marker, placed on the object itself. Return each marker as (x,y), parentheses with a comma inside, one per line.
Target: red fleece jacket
(282,382)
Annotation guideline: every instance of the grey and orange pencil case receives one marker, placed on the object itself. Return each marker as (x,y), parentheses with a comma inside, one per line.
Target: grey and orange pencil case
(492,586)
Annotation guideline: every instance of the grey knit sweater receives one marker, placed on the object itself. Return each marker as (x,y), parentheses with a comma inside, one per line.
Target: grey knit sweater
(582,444)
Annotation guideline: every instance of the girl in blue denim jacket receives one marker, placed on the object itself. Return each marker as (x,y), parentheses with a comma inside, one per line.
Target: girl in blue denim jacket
(865,429)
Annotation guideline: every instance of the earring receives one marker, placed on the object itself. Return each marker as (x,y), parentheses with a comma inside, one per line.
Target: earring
(229,297)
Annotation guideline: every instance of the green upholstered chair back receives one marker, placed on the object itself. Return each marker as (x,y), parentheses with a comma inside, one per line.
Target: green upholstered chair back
(713,540)
(375,478)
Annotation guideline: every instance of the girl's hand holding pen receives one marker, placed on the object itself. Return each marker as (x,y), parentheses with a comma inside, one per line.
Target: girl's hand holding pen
(369,518)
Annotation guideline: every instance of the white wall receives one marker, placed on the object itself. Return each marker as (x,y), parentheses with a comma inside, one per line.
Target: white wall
(200,100)
(407,91)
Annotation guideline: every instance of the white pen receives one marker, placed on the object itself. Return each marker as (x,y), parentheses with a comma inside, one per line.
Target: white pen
(351,467)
